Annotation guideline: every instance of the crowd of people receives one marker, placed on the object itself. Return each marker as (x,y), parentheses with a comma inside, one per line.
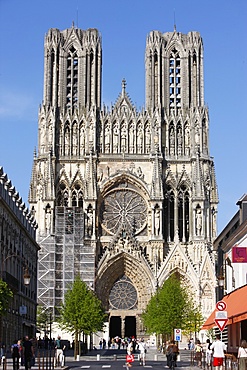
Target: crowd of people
(23,351)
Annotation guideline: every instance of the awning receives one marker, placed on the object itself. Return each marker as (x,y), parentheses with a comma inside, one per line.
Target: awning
(236,308)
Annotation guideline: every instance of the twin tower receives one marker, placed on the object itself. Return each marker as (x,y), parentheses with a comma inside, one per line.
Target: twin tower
(124,197)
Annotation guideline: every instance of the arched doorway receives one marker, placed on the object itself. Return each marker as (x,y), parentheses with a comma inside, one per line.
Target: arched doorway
(115,327)
(130,326)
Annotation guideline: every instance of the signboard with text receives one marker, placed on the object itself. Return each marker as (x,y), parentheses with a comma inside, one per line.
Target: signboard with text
(239,254)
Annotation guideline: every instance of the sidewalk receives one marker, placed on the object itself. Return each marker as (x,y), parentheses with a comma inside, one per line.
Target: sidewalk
(45,363)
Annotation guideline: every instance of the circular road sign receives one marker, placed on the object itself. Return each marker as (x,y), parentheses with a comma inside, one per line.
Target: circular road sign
(221,306)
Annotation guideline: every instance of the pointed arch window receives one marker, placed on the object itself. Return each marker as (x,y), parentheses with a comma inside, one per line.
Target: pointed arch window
(62,195)
(72,79)
(183,214)
(169,204)
(175,79)
(77,196)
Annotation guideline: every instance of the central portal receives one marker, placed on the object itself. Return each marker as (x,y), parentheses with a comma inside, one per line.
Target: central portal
(130,327)
(125,328)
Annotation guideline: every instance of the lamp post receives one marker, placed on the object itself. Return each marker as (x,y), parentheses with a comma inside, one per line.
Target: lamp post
(221,283)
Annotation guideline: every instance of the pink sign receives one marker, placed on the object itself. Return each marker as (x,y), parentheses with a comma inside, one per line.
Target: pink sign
(239,254)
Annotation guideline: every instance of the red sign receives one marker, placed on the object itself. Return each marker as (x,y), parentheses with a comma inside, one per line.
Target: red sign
(239,254)
(221,323)
(221,306)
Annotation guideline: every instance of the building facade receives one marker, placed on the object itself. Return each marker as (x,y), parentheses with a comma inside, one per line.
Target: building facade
(231,268)
(124,197)
(18,255)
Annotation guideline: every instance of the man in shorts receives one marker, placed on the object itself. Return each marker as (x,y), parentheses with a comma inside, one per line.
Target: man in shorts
(219,349)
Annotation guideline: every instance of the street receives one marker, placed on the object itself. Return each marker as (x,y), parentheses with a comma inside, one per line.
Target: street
(115,359)
(111,359)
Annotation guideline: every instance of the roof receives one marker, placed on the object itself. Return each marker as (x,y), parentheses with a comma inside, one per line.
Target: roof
(236,308)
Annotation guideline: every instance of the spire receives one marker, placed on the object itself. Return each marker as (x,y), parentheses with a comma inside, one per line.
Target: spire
(33,182)
(123,87)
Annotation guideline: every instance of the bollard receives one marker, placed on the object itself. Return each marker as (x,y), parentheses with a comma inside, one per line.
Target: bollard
(114,357)
(4,362)
(98,357)
(77,357)
(155,357)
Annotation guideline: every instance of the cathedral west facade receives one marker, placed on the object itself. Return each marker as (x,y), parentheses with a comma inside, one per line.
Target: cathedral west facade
(124,197)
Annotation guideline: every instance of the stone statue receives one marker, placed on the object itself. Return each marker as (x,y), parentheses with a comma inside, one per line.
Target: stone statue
(156,221)
(48,220)
(198,222)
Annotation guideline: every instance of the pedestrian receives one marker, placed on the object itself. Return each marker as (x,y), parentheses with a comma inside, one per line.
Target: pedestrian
(198,353)
(242,355)
(143,350)
(15,351)
(63,356)
(192,345)
(219,349)
(28,352)
(208,352)
(171,354)
(59,352)
(129,356)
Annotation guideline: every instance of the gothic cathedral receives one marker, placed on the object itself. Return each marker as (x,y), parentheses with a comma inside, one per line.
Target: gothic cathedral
(124,197)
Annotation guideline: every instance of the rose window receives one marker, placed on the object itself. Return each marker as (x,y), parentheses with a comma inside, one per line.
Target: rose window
(123,208)
(123,295)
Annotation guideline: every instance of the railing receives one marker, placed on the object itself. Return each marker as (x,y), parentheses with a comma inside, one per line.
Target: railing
(230,361)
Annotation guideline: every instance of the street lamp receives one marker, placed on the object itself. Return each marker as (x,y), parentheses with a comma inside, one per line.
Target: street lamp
(26,276)
(221,278)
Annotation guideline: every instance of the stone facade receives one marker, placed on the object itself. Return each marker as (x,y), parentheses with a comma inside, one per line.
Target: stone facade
(18,252)
(121,196)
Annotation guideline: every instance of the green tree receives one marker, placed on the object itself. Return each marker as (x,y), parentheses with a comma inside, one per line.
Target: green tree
(5,296)
(81,312)
(44,318)
(167,308)
(193,319)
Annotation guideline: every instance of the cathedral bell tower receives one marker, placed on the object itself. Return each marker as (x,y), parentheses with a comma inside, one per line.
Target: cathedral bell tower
(62,190)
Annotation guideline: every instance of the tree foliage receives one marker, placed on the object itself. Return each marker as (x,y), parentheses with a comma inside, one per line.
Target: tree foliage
(44,317)
(194,319)
(171,307)
(82,310)
(5,296)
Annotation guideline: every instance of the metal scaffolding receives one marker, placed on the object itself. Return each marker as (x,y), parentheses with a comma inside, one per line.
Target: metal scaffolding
(63,256)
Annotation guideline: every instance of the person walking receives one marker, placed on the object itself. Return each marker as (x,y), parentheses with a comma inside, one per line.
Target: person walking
(198,353)
(143,350)
(15,351)
(242,355)
(208,352)
(219,349)
(129,356)
(59,352)
(172,352)
(28,352)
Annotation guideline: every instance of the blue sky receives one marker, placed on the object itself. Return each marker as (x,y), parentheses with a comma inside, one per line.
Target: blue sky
(124,25)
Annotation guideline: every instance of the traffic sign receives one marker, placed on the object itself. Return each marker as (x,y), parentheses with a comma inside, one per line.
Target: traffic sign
(221,306)
(178,335)
(221,314)
(221,323)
